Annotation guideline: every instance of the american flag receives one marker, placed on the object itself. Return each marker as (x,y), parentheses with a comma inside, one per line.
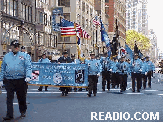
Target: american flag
(95,21)
(82,32)
(67,28)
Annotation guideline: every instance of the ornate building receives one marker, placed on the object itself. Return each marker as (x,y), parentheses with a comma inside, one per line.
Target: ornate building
(17,22)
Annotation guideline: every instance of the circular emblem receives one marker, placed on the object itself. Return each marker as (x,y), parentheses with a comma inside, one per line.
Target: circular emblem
(57,78)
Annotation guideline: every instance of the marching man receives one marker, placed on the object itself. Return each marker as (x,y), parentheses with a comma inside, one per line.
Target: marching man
(94,69)
(16,71)
(123,72)
(105,61)
(151,68)
(136,72)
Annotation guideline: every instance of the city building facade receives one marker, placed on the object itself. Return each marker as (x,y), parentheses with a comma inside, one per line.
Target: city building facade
(17,22)
(153,51)
(136,16)
(46,38)
(117,12)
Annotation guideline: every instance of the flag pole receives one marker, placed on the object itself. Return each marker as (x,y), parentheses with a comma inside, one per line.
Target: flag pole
(76,40)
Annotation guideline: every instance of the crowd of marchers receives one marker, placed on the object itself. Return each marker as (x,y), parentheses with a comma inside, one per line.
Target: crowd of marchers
(16,72)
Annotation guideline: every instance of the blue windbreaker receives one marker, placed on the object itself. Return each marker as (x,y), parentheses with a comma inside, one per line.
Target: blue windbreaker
(123,68)
(114,66)
(151,66)
(94,66)
(16,66)
(137,66)
(144,67)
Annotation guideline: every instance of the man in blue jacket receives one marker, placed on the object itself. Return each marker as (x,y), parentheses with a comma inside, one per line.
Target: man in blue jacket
(94,70)
(105,75)
(144,73)
(123,72)
(43,60)
(151,68)
(16,71)
(115,74)
(136,70)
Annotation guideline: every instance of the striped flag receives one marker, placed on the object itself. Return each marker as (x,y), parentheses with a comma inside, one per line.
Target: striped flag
(82,32)
(95,21)
(67,28)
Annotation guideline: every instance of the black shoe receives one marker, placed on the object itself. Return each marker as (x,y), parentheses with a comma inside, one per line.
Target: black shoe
(89,95)
(103,90)
(62,93)
(94,94)
(66,94)
(46,90)
(133,90)
(7,118)
(80,90)
(39,90)
(23,115)
(138,90)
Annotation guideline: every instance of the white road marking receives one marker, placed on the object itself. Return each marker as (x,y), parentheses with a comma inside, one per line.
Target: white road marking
(133,93)
(150,90)
(15,103)
(160,94)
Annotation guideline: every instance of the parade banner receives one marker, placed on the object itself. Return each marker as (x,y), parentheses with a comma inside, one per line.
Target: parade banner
(59,74)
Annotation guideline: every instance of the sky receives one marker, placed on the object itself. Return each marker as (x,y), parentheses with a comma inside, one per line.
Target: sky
(155,20)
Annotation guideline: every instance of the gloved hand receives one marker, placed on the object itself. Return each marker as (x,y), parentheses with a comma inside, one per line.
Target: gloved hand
(98,75)
(110,70)
(27,79)
(1,84)
(145,73)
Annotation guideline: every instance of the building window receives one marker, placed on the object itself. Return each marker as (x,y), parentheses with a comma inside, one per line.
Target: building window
(45,19)
(66,16)
(91,11)
(66,39)
(30,14)
(107,1)
(65,3)
(87,7)
(15,8)
(83,21)
(83,6)
(10,7)
(23,11)
(40,17)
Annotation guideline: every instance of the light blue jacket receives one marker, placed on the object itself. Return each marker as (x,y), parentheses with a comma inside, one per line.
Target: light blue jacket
(106,63)
(46,60)
(151,66)
(137,66)
(114,66)
(16,66)
(94,66)
(123,68)
(129,68)
(144,67)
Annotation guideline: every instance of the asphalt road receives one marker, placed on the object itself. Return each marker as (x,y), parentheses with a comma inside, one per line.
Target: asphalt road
(50,106)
